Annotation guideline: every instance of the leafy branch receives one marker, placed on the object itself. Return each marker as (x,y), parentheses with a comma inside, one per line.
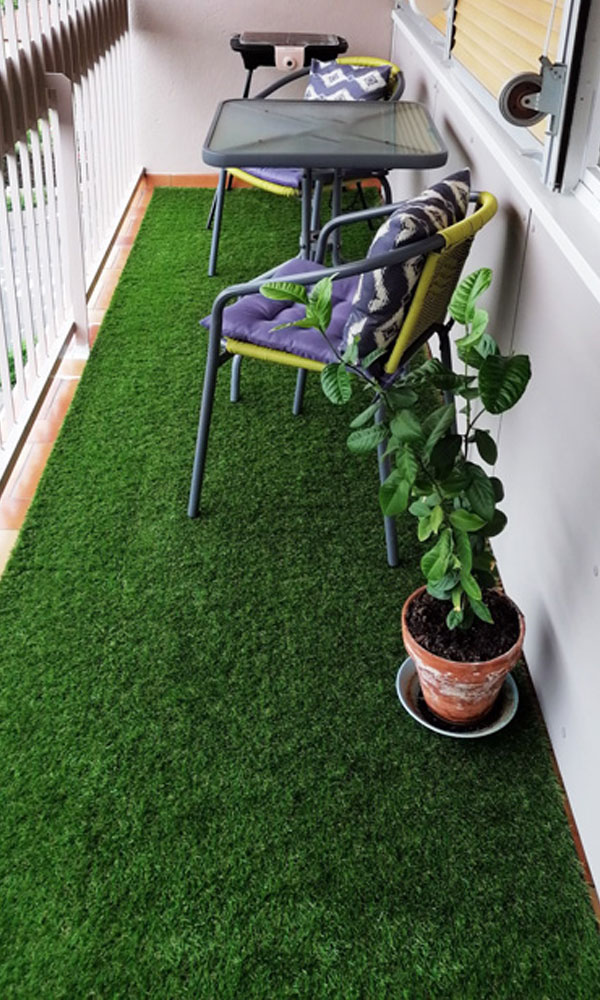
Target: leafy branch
(454,499)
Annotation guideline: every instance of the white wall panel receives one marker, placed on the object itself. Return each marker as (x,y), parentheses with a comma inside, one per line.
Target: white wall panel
(184,65)
(545,300)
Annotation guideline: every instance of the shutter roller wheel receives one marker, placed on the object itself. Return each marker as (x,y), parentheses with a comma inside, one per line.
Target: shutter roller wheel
(511,97)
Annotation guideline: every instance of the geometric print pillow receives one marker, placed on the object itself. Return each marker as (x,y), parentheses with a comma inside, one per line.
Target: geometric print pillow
(383,297)
(332,81)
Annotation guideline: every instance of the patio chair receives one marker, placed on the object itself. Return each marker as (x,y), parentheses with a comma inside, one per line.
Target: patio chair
(418,275)
(287,181)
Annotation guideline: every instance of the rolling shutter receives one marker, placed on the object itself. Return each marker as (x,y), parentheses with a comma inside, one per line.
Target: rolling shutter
(496,40)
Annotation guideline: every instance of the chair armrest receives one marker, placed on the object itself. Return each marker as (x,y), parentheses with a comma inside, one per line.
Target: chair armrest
(399,88)
(364,215)
(289,78)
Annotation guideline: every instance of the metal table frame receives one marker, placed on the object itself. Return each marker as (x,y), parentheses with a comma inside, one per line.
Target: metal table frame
(321,136)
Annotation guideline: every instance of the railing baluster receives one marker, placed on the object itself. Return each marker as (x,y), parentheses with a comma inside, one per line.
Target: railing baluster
(44,259)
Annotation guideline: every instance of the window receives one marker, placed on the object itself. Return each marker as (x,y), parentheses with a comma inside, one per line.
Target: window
(496,41)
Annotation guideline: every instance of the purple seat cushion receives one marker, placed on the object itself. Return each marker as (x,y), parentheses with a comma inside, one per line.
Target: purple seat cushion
(253,317)
(285,176)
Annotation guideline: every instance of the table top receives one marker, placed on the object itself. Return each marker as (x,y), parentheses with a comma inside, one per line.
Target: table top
(323,134)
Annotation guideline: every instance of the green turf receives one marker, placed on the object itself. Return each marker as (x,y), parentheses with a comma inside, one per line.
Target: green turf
(208,787)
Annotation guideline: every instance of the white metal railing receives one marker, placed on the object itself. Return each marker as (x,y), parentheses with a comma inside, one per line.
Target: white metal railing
(68,169)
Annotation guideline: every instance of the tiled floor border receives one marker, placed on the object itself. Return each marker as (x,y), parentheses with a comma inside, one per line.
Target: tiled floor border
(21,485)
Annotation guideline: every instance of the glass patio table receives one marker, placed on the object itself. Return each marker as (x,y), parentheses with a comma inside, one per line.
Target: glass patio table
(332,136)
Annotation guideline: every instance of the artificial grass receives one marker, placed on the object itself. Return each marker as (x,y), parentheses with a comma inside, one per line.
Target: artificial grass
(208,787)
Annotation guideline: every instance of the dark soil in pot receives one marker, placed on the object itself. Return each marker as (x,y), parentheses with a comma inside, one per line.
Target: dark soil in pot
(426,620)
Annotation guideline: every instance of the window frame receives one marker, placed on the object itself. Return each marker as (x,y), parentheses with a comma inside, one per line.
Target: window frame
(560,156)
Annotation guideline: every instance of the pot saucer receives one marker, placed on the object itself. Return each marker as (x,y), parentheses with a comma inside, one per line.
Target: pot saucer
(409,693)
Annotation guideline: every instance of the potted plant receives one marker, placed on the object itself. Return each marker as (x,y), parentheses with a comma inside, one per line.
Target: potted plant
(462,633)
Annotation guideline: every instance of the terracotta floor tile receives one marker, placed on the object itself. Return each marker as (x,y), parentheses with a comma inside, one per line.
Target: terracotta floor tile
(117,257)
(46,429)
(71,366)
(26,484)
(49,399)
(7,540)
(195,180)
(125,240)
(105,288)
(145,198)
(95,316)
(158,180)
(12,513)
(94,328)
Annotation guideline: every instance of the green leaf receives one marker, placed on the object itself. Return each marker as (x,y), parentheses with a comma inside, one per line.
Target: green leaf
(424,528)
(437,426)
(462,303)
(484,561)
(369,359)
(478,325)
(364,417)
(454,618)
(486,446)
(480,493)
(320,303)
(435,562)
(336,384)
(407,464)
(393,496)
(350,355)
(406,427)
(463,550)
(474,356)
(366,439)
(435,372)
(402,399)
(481,610)
(456,482)
(470,586)
(445,452)
(498,488)
(464,520)
(430,524)
(502,381)
(497,524)
(419,509)
(285,291)
(442,590)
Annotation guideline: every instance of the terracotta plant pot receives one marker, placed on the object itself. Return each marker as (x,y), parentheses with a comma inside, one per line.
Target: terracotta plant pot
(459,692)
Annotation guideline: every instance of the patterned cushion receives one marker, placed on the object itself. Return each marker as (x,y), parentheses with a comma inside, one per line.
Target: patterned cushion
(383,297)
(333,81)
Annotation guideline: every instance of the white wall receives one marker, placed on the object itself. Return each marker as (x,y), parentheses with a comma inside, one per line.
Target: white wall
(545,252)
(183,64)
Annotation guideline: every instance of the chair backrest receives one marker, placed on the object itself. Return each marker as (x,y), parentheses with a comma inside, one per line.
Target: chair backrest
(440,276)
(394,91)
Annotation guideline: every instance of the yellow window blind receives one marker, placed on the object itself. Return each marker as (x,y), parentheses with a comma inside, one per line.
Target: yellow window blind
(439,21)
(497,39)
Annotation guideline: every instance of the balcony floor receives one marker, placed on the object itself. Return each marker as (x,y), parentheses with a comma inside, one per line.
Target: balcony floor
(208,785)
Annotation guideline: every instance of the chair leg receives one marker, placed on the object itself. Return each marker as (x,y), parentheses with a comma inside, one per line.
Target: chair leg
(363,201)
(389,523)
(315,218)
(336,209)
(387,191)
(234,391)
(218,214)
(208,395)
(299,393)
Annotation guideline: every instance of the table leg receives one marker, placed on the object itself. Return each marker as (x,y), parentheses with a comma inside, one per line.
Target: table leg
(214,246)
